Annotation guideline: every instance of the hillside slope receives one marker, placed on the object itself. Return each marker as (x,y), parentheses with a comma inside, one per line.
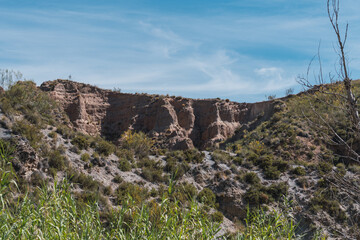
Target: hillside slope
(273,160)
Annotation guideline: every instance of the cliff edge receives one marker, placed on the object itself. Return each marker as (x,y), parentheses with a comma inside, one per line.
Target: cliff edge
(180,123)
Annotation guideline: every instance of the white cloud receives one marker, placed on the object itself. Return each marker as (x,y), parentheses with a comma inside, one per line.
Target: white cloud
(274,79)
(269,72)
(223,55)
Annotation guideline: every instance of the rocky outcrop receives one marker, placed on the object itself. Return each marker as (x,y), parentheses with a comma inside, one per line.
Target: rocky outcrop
(181,122)
(26,160)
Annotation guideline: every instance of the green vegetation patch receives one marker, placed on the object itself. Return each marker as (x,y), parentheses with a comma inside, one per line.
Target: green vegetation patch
(188,156)
(81,141)
(25,98)
(30,131)
(104,147)
(138,142)
(57,160)
(207,197)
(325,198)
(128,191)
(258,194)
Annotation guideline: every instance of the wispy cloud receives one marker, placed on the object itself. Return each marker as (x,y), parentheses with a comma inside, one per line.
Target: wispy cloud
(238,50)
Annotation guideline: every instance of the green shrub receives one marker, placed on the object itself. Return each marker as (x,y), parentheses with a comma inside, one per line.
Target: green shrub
(95,155)
(86,197)
(65,131)
(153,192)
(238,160)
(125,154)
(320,201)
(81,142)
(303,182)
(354,168)
(310,154)
(45,149)
(53,135)
(151,167)
(177,156)
(187,190)
(252,156)
(61,148)
(104,147)
(184,193)
(324,167)
(85,157)
(107,191)
(138,142)
(152,174)
(207,197)
(264,161)
(29,131)
(340,167)
(217,216)
(277,190)
(256,196)
(124,165)
(34,118)
(234,169)
(118,179)
(160,152)
(24,97)
(281,165)
(147,162)
(221,156)
(286,154)
(300,171)
(86,182)
(176,169)
(194,156)
(7,149)
(189,156)
(251,178)
(57,160)
(272,172)
(127,190)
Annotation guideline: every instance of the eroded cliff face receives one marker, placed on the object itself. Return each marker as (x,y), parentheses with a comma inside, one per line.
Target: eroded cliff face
(179,122)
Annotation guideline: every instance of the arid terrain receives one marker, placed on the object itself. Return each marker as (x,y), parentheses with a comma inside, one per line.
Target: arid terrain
(231,158)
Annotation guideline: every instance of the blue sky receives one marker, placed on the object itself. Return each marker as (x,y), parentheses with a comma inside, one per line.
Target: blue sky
(236,49)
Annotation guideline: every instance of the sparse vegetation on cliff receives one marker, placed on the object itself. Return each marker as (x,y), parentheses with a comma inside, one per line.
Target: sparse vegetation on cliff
(281,151)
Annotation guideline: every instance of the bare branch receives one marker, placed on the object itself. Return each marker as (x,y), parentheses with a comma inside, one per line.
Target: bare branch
(349,148)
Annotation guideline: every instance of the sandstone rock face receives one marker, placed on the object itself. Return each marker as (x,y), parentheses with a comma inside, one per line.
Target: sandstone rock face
(181,122)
